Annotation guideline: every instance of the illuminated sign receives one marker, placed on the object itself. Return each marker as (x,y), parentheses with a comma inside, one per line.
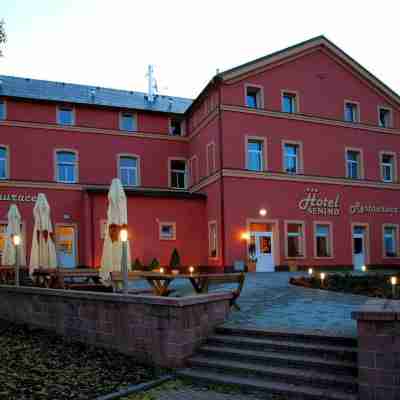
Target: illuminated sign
(16,197)
(315,204)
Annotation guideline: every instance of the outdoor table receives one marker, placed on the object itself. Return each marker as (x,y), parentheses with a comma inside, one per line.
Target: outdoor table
(200,282)
(55,278)
(7,274)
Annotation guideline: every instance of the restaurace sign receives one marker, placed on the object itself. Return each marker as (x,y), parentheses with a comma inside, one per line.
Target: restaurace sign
(359,208)
(315,204)
(16,197)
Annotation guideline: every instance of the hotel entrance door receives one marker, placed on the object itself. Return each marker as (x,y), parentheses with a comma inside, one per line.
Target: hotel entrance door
(66,246)
(358,247)
(264,252)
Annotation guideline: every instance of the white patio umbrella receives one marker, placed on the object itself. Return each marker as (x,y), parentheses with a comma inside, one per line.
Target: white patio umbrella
(43,251)
(13,228)
(117,219)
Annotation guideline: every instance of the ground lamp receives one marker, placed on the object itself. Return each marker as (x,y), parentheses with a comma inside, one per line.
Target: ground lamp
(322,276)
(17,242)
(310,272)
(191,270)
(364,268)
(393,281)
(123,236)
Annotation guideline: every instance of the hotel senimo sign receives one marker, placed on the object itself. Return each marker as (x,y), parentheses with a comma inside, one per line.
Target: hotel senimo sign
(315,204)
(18,197)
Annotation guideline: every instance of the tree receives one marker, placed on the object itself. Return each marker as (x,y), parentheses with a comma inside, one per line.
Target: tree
(175,259)
(3,36)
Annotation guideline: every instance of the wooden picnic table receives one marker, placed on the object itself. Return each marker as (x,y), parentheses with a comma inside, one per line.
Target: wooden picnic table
(7,274)
(66,278)
(200,282)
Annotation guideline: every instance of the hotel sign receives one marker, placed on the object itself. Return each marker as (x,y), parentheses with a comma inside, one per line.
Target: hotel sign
(315,204)
(17,197)
(358,208)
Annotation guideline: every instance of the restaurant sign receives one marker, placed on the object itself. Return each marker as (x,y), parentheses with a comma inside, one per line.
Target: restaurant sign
(315,204)
(17,197)
(358,208)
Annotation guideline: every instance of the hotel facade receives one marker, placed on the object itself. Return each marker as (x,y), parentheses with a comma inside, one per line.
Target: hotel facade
(290,159)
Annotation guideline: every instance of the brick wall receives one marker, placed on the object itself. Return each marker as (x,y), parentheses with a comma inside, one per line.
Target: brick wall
(378,325)
(156,330)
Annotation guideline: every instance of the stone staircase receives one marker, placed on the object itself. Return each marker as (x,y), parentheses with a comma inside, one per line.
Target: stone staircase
(292,365)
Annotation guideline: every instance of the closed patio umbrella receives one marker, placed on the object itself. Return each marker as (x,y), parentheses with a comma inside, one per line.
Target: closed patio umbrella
(43,251)
(13,228)
(117,219)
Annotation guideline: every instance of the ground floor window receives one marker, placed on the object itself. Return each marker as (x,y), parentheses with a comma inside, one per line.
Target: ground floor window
(390,242)
(212,239)
(295,239)
(323,240)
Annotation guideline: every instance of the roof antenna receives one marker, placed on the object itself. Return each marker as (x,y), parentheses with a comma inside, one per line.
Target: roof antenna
(152,84)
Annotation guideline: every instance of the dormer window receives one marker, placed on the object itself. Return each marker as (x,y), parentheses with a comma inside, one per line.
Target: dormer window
(127,122)
(65,115)
(254,97)
(175,127)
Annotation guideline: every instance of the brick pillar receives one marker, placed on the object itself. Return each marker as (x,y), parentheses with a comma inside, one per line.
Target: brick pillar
(378,326)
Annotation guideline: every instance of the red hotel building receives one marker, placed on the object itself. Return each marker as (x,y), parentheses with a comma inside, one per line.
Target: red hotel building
(299,149)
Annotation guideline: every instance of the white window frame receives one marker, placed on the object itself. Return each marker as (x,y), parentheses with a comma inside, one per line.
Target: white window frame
(395,228)
(359,162)
(182,125)
(170,171)
(66,107)
(302,235)
(74,164)
(136,169)
(259,92)
(392,166)
(6,161)
(299,156)
(295,100)
(390,113)
(4,102)
(262,152)
(330,239)
(134,119)
(160,234)
(356,106)
(212,239)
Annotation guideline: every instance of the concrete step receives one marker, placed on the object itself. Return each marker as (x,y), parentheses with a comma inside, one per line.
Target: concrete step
(348,368)
(341,353)
(292,336)
(295,376)
(264,386)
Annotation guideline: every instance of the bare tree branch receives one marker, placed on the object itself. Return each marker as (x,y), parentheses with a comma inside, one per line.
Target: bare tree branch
(3,36)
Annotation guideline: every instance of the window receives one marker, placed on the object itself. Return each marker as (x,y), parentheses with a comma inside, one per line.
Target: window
(65,115)
(175,127)
(353,164)
(289,102)
(255,155)
(3,163)
(254,97)
(291,158)
(387,167)
(389,238)
(127,122)
(323,240)
(128,170)
(295,240)
(212,240)
(178,174)
(210,158)
(385,117)
(167,231)
(351,112)
(2,109)
(66,167)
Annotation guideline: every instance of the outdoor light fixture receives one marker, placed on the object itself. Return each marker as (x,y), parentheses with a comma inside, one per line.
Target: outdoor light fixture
(123,235)
(16,240)
(310,271)
(191,270)
(322,276)
(263,212)
(393,281)
(364,268)
(245,236)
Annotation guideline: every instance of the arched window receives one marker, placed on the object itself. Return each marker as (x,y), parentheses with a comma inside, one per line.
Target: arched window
(128,167)
(66,166)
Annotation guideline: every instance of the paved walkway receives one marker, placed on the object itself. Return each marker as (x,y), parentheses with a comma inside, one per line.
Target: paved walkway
(269,301)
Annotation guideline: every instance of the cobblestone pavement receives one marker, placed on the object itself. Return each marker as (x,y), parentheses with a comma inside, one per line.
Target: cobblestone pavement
(269,301)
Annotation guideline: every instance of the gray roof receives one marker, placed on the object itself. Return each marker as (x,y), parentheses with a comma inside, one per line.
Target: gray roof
(71,93)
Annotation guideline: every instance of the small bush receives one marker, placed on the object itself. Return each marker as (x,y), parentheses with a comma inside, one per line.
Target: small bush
(175,260)
(155,264)
(137,265)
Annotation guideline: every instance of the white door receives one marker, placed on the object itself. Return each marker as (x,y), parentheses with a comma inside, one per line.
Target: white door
(66,246)
(264,252)
(358,249)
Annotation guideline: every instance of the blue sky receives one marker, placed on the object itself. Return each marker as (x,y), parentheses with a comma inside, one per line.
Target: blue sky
(104,43)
